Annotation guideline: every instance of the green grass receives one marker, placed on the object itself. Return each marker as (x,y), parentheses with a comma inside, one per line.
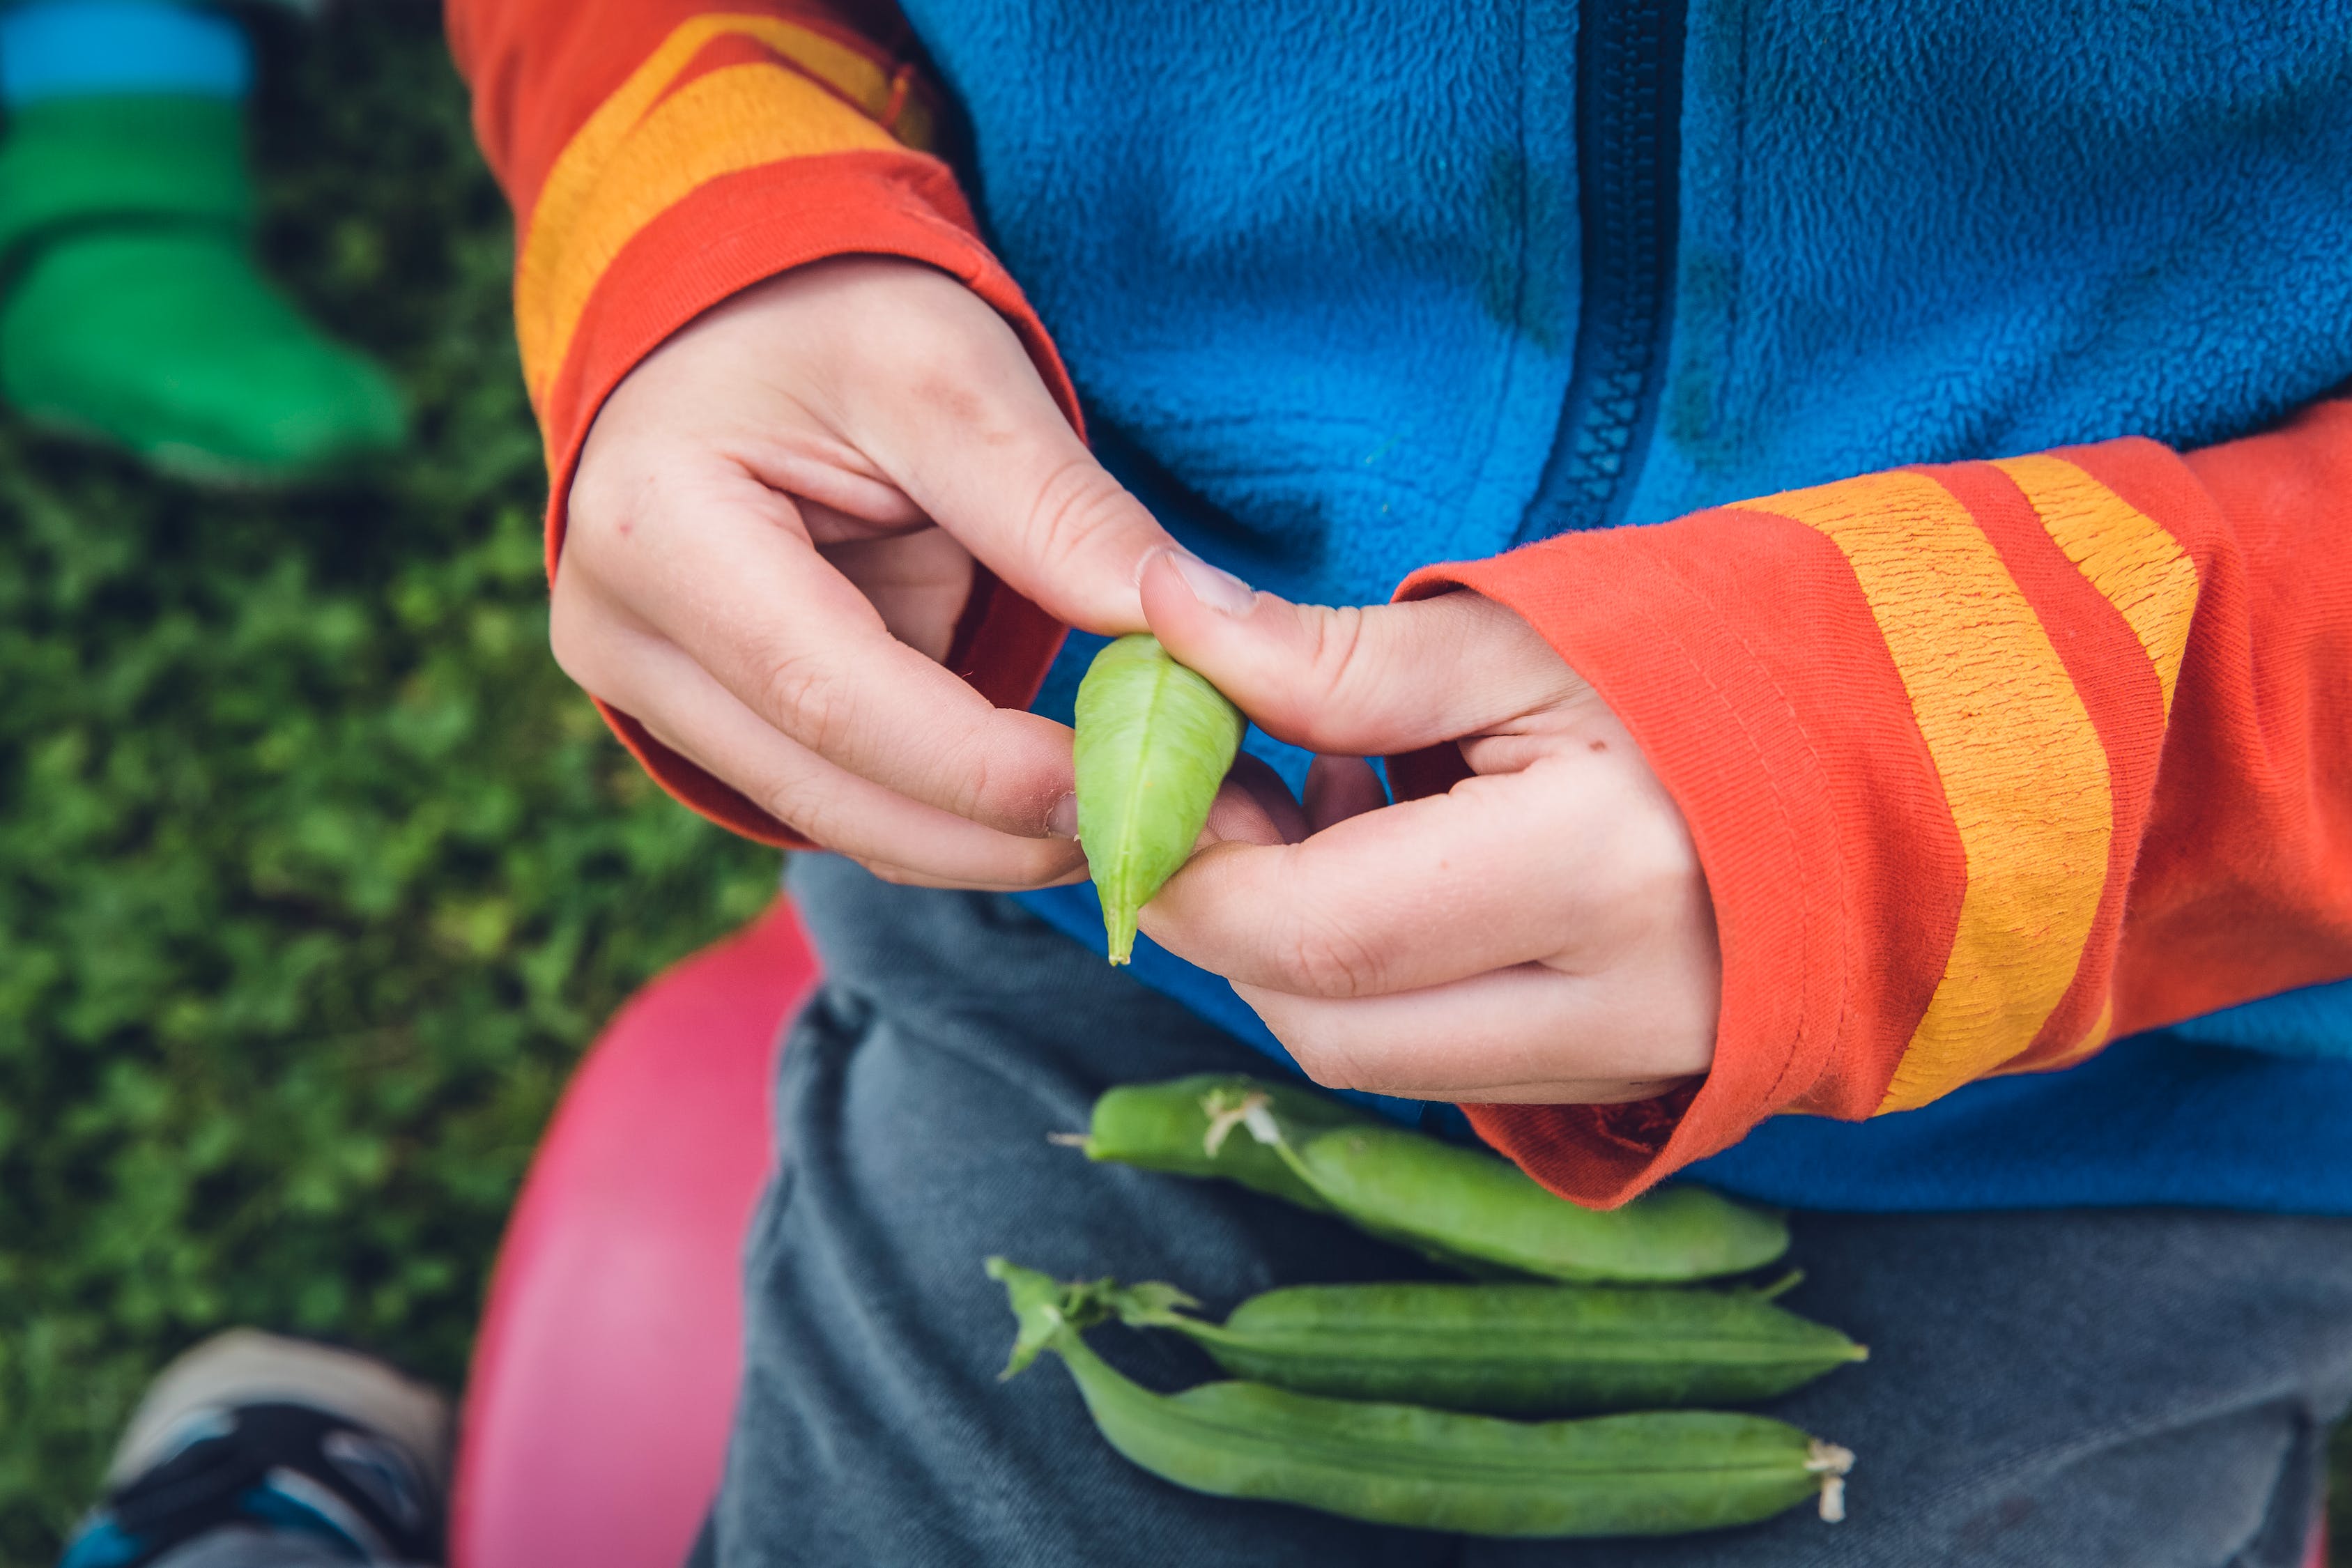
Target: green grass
(315,874)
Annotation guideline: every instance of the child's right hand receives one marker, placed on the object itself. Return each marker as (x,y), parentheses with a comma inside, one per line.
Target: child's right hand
(772,531)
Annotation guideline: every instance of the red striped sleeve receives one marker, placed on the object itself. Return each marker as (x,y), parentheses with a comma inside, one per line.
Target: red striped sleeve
(662,155)
(1985,763)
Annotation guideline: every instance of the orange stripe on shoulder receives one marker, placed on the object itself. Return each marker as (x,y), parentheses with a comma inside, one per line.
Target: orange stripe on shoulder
(2017,752)
(696,110)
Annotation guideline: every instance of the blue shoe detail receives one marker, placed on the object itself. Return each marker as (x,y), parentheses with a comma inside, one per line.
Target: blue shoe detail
(101,1542)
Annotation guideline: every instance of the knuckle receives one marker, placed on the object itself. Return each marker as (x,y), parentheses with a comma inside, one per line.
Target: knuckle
(956,363)
(1686,1043)
(1076,504)
(801,697)
(1656,871)
(807,811)
(601,657)
(1335,661)
(571,639)
(971,789)
(947,370)
(1325,1062)
(1322,957)
(609,490)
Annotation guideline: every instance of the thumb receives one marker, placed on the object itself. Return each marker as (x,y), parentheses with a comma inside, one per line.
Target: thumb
(975,440)
(1360,680)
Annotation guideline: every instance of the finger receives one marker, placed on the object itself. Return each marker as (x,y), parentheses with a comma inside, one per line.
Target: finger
(917,583)
(1339,788)
(688,711)
(1555,862)
(912,877)
(1254,806)
(1525,1035)
(968,430)
(1362,681)
(717,566)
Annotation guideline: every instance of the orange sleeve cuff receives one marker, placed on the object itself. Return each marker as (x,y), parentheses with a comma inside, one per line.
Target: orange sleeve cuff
(1915,720)
(738,147)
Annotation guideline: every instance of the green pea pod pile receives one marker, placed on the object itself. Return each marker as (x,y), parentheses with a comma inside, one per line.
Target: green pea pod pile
(1507,1349)
(1386,1401)
(1154,741)
(1656,1474)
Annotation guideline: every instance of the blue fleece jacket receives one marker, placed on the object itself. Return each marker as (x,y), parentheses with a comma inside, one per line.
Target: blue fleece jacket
(1349,288)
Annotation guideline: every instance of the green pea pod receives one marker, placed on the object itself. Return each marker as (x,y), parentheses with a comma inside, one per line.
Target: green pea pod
(1424,1192)
(1154,741)
(1192,1127)
(1187,1127)
(1662,1473)
(1507,1350)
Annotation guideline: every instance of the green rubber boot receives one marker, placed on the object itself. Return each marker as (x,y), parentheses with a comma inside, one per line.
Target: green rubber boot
(133,310)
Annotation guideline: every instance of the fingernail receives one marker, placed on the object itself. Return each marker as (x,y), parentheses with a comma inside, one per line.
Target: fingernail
(1220,591)
(1062,822)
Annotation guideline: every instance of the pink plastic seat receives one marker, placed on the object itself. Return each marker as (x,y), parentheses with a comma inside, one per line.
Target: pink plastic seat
(596,1415)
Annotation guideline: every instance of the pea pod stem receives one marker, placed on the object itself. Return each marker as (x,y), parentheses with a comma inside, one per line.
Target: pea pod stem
(1653,1474)
(1179,1126)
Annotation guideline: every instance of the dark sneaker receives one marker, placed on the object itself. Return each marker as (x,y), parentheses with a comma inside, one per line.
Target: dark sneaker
(252,1433)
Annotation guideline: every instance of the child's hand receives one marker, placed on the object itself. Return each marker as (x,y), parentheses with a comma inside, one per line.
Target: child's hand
(772,531)
(1540,934)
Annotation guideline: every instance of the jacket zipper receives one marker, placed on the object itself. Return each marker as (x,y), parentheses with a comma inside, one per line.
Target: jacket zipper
(1629,64)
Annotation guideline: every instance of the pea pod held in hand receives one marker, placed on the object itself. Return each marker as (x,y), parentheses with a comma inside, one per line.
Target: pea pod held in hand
(1663,1473)
(1506,1350)
(1421,1191)
(1154,741)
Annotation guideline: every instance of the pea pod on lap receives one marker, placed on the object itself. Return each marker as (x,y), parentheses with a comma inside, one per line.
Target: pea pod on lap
(1524,1349)
(1183,1126)
(1655,1474)
(1418,1189)
(1464,1208)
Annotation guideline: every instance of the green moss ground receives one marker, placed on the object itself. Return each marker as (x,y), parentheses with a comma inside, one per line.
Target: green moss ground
(315,875)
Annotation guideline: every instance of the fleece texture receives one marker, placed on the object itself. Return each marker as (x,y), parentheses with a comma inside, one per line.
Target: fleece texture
(1908,234)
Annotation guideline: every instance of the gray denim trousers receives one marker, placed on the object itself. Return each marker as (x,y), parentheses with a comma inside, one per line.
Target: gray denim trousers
(2061,1390)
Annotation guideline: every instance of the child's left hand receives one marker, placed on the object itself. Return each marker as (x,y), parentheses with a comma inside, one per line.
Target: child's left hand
(1542,933)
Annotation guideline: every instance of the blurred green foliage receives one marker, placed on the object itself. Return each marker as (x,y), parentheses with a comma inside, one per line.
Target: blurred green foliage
(315,873)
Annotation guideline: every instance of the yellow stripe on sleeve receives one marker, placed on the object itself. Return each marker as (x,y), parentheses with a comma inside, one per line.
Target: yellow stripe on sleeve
(2128,556)
(641,152)
(2021,766)
(2082,1051)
